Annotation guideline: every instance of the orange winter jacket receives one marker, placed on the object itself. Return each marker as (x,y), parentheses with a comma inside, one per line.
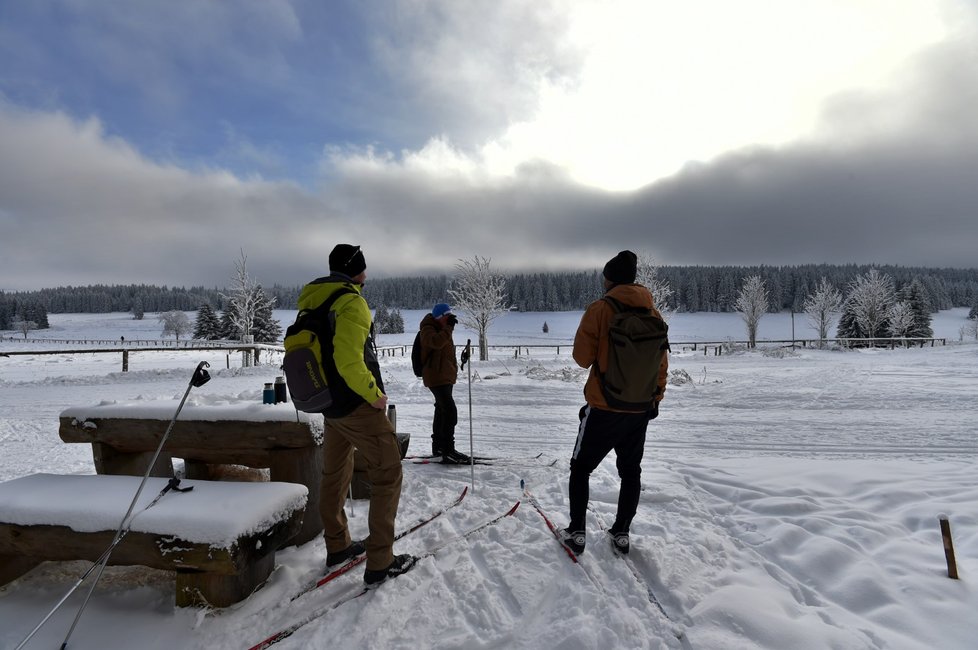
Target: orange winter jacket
(591,340)
(438,353)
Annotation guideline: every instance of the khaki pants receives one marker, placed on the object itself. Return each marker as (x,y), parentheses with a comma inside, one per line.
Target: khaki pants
(369,430)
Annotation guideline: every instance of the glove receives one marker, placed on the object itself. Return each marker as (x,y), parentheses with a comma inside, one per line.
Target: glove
(654,411)
(452,321)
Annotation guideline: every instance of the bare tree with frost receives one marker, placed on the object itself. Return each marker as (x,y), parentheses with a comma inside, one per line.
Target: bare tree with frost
(901,319)
(648,277)
(752,303)
(174,322)
(479,295)
(868,304)
(822,307)
(245,300)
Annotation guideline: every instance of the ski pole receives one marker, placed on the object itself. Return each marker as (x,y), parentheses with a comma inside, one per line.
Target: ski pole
(171,485)
(466,356)
(199,378)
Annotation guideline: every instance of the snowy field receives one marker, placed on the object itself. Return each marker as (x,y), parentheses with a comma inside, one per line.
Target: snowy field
(790,501)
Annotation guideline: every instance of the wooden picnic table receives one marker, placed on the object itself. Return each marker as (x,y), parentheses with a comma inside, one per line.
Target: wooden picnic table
(124,436)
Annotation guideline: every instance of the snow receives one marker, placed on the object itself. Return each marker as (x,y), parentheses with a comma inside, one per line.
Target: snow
(790,500)
(212,512)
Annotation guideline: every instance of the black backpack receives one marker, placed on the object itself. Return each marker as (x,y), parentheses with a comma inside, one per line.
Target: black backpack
(307,342)
(417,362)
(637,342)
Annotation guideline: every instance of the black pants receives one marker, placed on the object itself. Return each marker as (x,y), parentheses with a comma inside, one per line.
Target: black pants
(446,417)
(600,432)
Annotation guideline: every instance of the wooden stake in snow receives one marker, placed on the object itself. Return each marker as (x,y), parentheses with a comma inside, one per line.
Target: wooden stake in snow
(952,567)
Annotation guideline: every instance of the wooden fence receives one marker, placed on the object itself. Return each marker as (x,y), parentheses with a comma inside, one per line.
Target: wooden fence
(250,352)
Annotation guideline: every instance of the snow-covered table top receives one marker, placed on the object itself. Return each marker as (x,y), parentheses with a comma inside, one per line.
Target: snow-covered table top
(202,410)
(214,512)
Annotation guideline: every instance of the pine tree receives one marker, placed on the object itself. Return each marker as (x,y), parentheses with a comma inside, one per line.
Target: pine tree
(265,328)
(229,330)
(916,296)
(207,327)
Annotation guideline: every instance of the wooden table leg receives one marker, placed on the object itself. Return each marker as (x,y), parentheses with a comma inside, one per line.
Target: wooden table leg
(303,466)
(109,460)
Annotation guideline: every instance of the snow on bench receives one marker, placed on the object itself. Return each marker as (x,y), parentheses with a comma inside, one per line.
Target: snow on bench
(125,434)
(220,538)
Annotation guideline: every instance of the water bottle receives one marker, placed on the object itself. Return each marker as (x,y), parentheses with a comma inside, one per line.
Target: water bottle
(268,395)
(281,394)
(392,416)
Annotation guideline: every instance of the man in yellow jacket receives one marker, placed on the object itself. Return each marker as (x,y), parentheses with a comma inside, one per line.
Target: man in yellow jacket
(602,427)
(356,418)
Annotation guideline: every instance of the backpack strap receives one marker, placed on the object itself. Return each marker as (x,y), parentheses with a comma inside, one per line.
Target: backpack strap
(618,306)
(318,317)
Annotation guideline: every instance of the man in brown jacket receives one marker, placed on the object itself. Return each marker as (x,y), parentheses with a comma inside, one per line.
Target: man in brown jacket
(603,428)
(439,374)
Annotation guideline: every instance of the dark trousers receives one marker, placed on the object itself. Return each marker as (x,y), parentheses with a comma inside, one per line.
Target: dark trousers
(599,432)
(446,417)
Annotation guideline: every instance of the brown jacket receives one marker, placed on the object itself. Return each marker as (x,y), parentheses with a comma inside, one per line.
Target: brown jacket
(438,353)
(591,340)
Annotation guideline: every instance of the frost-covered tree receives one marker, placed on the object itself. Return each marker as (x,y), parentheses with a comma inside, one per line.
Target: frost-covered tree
(973,314)
(175,323)
(245,299)
(752,303)
(648,276)
(265,329)
(393,322)
(900,319)
(479,295)
(822,307)
(388,321)
(917,297)
(229,331)
(25,326)
(35,312)
(867,307)
(207,326)
(137,309)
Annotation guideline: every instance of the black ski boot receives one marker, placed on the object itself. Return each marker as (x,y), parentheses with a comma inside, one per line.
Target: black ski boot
(573,539)
(454,457)
(401,564)
(619,541)
(344,556)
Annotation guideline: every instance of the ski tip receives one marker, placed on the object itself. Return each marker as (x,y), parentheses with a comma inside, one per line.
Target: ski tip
(513,509)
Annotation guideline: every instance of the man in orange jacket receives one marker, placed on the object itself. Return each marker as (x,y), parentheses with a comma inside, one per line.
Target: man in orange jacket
(603,428)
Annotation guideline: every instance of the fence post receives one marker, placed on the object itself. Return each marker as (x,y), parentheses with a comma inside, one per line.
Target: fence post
(125,361)
(952,567)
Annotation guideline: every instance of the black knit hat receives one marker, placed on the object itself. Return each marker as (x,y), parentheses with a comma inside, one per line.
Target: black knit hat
(347,259)
(621,268)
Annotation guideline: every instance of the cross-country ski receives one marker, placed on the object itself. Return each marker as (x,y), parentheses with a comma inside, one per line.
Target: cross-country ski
(291,629)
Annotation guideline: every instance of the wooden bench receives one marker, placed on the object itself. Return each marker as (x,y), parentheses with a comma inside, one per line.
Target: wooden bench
(220,538)
(124,436)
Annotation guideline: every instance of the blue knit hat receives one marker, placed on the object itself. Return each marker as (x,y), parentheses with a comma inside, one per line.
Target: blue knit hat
(440,310)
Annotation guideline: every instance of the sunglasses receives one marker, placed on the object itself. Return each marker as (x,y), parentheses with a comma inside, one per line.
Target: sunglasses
(350,259)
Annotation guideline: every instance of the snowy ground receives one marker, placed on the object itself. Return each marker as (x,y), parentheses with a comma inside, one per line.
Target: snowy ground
(791,500)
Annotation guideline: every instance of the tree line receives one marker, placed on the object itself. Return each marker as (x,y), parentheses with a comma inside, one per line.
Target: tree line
(693,289)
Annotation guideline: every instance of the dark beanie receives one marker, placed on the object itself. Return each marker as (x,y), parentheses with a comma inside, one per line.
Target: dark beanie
(621,268)
(347,259)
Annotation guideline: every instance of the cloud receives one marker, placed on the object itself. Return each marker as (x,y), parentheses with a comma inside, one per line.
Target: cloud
(884,175)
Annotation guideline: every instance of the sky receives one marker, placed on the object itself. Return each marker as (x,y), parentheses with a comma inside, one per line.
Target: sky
(146,142)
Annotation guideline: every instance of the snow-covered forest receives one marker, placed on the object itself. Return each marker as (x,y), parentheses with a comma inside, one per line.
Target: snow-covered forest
(694,289)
